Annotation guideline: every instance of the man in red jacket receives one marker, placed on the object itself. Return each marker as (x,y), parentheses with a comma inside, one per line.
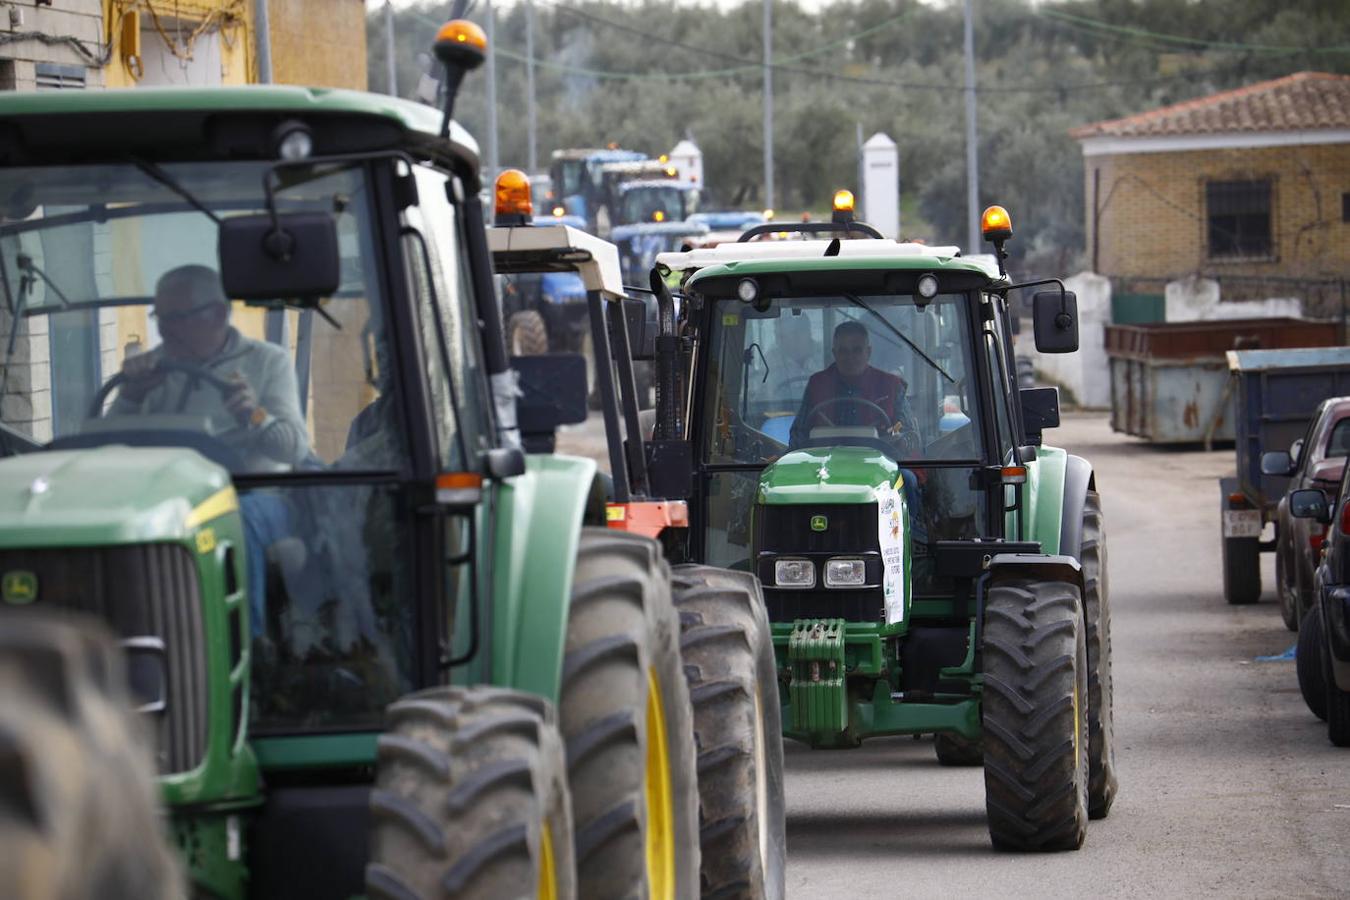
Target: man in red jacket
(852,392)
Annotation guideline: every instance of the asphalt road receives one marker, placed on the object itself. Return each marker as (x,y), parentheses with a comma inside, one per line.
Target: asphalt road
(1228,785)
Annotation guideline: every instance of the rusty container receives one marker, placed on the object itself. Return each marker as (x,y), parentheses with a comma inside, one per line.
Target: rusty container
(1170,382)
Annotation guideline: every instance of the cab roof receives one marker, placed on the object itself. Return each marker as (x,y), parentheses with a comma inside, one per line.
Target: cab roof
(761,257)
(175,123)
(557,248)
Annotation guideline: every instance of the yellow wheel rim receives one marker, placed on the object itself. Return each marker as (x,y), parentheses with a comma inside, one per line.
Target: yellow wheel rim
(548,873)
(660,844)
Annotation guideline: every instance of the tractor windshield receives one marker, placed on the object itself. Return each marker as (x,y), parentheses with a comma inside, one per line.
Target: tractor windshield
(114,325)
(878,371)
(816,373)
(653,204)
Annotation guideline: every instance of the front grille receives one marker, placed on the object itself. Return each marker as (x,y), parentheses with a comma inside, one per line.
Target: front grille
(849,528)
(148,590)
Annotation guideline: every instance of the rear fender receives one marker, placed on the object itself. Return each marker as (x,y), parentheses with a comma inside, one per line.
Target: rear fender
(534,551)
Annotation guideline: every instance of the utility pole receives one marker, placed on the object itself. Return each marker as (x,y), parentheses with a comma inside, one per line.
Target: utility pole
(492,161)
(264,41)
(531,123)
(768,104)
(392,83)
(972,147)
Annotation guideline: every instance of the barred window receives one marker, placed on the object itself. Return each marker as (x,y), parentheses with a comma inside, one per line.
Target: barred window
(1237,214)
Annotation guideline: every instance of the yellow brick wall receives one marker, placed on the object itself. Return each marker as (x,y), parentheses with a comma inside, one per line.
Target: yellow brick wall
(319,42)
(1151,211)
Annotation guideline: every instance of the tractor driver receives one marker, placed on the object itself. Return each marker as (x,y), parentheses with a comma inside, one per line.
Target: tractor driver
(260,411)
(852,392)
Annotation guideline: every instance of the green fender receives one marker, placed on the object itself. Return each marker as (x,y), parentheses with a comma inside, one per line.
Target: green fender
(534,552)
(1057,486)
(1044,498)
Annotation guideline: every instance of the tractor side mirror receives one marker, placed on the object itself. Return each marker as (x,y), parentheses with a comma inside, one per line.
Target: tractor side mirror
(1055,321)
(1040,410)
(292,257)
(1309,504)
(552,393)
(1276,462)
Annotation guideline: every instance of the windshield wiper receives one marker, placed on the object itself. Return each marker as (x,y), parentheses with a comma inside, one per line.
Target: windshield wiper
(858,301)
(157,174)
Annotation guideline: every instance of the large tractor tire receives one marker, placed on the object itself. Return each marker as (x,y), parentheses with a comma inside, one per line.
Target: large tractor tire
(727,647)
(1241,570)
(78,816)
(628,726)
(1309,665)
(470,799)
(1102,780)
(954,750)
(1035,715)
(526,333)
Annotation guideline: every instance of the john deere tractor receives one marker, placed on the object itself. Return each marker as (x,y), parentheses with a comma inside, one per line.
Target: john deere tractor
(257,416)
(930,566)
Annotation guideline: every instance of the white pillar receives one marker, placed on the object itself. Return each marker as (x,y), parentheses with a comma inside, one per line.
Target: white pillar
(881,185)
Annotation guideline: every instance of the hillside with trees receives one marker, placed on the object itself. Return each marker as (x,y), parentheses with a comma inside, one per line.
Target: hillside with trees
(646,74)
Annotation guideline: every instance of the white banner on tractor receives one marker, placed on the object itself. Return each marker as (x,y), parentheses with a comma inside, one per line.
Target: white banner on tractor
(891,534)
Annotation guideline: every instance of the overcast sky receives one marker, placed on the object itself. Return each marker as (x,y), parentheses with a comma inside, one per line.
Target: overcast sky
(806,4)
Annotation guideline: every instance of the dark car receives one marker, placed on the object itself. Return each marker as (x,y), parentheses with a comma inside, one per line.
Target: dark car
(1315,461)
(1324,636)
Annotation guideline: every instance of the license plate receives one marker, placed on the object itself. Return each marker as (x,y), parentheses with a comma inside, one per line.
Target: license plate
(1241,523)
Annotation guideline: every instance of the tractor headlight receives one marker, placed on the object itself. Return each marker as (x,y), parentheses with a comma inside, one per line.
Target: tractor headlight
(794,573)
(845,573)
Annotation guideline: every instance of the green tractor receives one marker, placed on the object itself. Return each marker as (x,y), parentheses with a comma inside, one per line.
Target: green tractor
(383,651)
(930,566)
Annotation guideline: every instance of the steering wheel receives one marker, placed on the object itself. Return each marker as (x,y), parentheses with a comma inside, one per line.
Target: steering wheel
(194,372)
(835,401)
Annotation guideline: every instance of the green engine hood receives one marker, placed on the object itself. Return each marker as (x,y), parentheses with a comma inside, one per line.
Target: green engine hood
(827,475)
(112,495)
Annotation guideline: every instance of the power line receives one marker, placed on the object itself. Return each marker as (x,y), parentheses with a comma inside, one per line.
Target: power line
(757,68)
(1182,40)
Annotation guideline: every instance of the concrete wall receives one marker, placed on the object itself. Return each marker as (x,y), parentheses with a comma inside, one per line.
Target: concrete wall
(79,20)
(1086,374)
(1197,299)
(1150,211)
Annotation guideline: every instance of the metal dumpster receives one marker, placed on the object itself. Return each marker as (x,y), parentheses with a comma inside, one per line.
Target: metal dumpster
(1275,395)
(1170,381)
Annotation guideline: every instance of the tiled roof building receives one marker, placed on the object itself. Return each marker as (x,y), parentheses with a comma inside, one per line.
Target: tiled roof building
(1249,186)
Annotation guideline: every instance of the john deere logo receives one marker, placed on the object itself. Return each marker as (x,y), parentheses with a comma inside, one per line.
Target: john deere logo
(19,587)
(819,523)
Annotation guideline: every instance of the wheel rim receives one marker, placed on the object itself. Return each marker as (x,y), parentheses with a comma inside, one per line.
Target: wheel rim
(761,788)
(548,871)
(656,789)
